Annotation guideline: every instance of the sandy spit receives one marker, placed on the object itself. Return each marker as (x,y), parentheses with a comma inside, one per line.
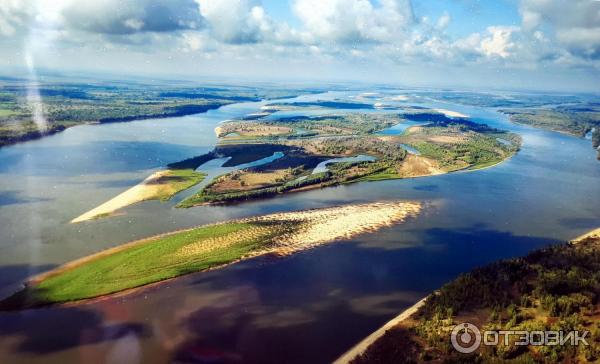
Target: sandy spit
(591,234)
(145,190)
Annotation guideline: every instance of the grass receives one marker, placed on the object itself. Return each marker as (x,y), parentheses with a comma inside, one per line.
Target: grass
(380,176)
(151,260)
(177,180)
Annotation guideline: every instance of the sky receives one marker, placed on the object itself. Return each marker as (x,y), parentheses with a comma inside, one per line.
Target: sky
(551,45)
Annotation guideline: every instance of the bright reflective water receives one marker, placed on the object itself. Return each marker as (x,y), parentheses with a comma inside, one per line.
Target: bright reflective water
(309,307)
(322,167)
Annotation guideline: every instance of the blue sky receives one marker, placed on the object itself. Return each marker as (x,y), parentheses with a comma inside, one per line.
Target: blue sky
(544,44)
(469,15)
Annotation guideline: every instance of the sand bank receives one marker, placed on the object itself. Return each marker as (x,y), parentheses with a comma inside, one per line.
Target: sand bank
(592,234)
(343,222)
(451,114)
(160,185)
(167,256)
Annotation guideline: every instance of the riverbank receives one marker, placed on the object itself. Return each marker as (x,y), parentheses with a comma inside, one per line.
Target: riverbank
(15,133)
(187,251)
(550,289)
(360,348)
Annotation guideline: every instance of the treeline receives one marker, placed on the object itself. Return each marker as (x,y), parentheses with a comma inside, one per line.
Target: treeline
(205,196)
(555,288)
(346,124)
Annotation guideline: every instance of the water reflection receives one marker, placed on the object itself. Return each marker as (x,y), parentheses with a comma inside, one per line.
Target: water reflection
(309,307)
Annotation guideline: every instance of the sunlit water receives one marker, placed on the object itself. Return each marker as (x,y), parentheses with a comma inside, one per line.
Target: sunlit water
(309,307)
(322,167)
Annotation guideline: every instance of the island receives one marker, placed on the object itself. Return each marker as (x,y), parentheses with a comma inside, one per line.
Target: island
(554,288)
(323,151)
(167,256)
(302,153)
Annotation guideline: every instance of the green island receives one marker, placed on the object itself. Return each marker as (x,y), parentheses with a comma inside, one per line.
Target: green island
(578,120)
(440,145)
(182,252)
(555,288)
(63,105)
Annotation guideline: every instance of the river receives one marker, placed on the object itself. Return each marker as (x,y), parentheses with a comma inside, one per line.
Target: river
(309,307)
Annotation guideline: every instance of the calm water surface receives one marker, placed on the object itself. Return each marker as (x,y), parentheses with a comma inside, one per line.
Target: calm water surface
(309,307)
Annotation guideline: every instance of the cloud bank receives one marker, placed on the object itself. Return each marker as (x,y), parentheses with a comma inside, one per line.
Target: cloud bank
(557,33)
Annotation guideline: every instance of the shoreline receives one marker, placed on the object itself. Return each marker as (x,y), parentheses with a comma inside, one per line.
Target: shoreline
(589,234)
(451,114)
(347,183)
(364,344)
(59,128)
(138,193)
(157,186)
(198,246)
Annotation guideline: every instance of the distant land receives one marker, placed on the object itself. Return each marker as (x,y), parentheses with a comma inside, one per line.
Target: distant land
(31,110)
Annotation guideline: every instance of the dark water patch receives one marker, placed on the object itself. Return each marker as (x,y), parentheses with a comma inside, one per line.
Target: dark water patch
(11,275)
(53,330)
(16,198)
(92,157)
(426,188)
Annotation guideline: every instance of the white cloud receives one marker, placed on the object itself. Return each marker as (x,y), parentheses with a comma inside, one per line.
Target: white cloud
(575,23)
(236,21)
(128,17)
(499,43)
(444,21)
(350,21)
(353,32)
(115,17)
(15,14)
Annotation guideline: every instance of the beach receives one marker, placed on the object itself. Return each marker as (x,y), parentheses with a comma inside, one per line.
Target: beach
(451,114)
(160,185)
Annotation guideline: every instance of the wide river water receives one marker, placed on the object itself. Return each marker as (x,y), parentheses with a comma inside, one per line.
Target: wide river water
(309,307)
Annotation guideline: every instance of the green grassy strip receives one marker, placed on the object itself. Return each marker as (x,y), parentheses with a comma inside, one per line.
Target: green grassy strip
(180,180)
(151,261)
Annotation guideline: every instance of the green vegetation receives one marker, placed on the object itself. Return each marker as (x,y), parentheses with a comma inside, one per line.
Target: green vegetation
(175,181)
(350,124)
(66,105)
(556,288)
(151,260)
(574,120)
(462,144)
(307,127)
(445,145)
